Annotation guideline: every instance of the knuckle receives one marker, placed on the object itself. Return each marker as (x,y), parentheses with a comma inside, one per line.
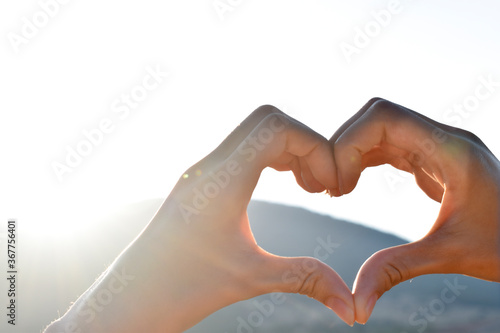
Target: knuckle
(384,109)
(308,285)
(382,103)
(309,279)
(394,275)
(270,117)
(265,110)
(470,138)
(393,270)
(374,100)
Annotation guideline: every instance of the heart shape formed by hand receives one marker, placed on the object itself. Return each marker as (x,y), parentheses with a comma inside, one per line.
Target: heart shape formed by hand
(220,257)
(451,166)
(198,253)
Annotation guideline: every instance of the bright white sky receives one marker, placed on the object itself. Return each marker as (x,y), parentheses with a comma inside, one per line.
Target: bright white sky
(69,75)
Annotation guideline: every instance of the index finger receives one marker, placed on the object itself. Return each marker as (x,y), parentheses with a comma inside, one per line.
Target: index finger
(281,140)
(268,137)
(383,125)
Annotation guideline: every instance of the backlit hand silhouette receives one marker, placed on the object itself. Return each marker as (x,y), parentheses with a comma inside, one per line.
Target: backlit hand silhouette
(451,166)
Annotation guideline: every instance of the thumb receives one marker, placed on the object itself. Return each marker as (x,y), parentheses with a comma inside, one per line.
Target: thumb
(311,277)
(389,267)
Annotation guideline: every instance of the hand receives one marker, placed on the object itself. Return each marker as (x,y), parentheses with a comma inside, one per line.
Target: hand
(198,253)
(212,247)
(451,166)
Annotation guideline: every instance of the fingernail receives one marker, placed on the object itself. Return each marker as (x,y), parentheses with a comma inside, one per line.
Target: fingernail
(305,183)
(333,192)
(341,185)
(369,306)
(344,311)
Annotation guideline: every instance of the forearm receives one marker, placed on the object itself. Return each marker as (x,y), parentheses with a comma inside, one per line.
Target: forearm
(118,301)
(150,287)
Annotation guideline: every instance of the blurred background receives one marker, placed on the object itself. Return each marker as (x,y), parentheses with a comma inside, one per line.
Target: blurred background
(104,105)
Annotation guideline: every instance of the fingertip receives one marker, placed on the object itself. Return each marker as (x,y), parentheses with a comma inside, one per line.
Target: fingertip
(364,307)
(342,309)
(334,192)
(378,274)
(349,169)
(320,167)
(364,293)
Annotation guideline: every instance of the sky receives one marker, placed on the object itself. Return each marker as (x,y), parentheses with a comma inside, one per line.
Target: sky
(144,89)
